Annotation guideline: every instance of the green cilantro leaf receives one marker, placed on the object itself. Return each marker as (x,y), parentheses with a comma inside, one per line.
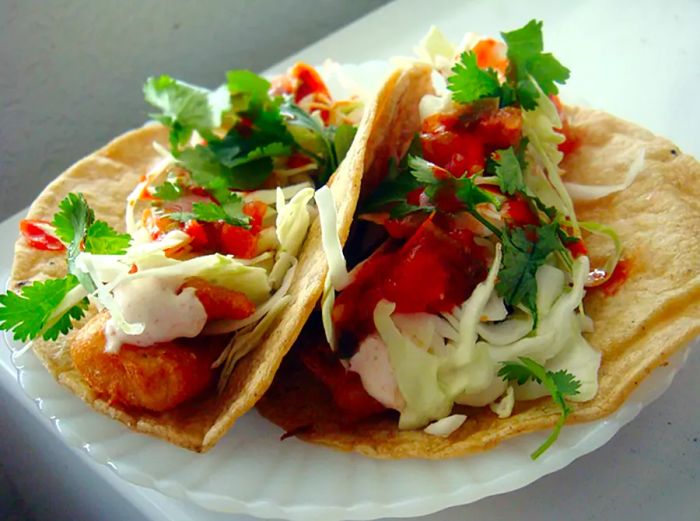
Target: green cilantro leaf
(72,220)
(102,239)
(229,210)
(312,137)
(168,191)
(509,172)
(560,385)
(205,168)
(265,151)
(342,139)
(185,107)
(403,208)
(470,83)
(424,171)
(524,251)
(565,382)
(471,195)
(27,314)
(251,88)
(393,189)
(548,71)
(527,62)
(75,225)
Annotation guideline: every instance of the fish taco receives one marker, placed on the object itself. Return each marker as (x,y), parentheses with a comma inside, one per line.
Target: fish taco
(512,264)
(163,277)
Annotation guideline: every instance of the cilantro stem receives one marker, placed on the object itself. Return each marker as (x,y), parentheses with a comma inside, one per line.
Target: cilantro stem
(552,436)
(496,231)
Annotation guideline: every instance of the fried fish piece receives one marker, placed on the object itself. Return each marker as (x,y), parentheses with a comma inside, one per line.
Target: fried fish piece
(157,377)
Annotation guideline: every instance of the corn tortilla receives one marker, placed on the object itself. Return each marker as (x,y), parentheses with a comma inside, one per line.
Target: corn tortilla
(106,177)
(655,313)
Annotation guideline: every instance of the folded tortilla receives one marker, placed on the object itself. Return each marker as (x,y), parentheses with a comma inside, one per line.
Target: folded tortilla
(106,178)
(655,313)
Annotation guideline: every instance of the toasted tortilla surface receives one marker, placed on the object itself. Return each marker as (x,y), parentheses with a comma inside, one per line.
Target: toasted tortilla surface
(655,313)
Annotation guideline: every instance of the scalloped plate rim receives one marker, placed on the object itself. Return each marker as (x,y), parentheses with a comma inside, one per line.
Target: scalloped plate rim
(597,434)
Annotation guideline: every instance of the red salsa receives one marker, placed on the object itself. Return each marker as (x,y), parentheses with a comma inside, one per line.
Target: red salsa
(617,279)
(37,236)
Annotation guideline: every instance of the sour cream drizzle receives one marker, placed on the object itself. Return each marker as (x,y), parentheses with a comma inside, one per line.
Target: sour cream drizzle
(156,303)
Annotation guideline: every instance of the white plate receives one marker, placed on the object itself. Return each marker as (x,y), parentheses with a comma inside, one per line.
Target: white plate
(250,471)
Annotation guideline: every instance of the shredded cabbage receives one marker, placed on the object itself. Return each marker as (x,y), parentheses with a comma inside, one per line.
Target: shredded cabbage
(220,270)
(327,302)
(153,175)
(292,220)
(539,127)
(597,276)
(469,367)
(416,373)
(446,426)
(579,192)
(504,407)
(269,197)
(72,298)
(329,236)
(245,341)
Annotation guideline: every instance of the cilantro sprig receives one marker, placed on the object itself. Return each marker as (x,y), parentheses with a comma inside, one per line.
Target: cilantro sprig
(31,312)
(525,249)
(529,71)
(27,313)
(528,63)
(229,210)
(560,384)
(186,108)
(76,226)
(470,83)
(168,191)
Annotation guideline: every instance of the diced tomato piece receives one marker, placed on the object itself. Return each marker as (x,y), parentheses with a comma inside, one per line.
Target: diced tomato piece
(458,151)
(406,226)
(297,160)
(517,212)
(200,237)
(577,248)
(37,237)
(345,386)
(413,197)
(237,241)
(155,225)
(431,272)
(300,81)
(256,211)
(245,127)
(571,141)
(308,81)
(446,200)
(201,192)
(491,54)
(462,149)
(219,302)
(354,306)
(501,129)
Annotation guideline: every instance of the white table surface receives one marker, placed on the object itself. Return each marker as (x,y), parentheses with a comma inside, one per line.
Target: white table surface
(639,60)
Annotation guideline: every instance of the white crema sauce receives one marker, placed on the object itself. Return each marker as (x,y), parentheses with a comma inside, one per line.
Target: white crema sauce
(155,303)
